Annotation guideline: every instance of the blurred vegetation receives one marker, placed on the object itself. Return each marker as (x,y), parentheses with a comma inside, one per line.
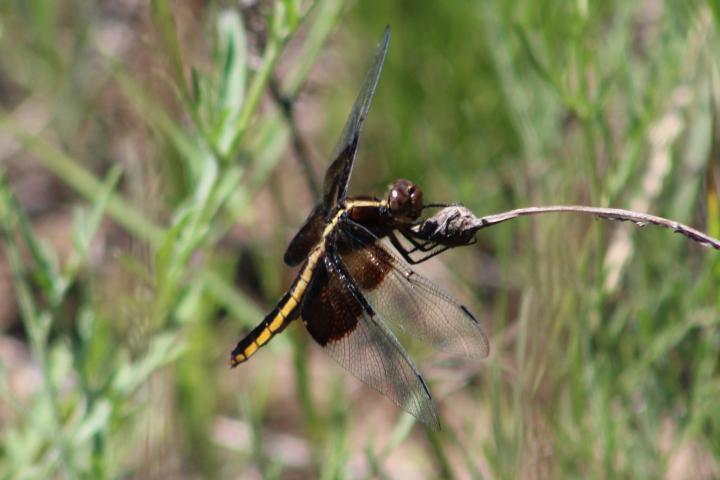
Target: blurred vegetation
(148,188)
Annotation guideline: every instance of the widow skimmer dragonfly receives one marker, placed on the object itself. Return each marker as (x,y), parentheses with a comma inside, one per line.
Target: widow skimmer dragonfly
(350,283)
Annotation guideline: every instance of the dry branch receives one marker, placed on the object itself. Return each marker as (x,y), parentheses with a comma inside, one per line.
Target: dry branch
(456,225)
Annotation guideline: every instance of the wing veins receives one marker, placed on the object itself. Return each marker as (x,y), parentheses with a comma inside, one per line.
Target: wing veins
(418,306)
(369,350)
(337,176)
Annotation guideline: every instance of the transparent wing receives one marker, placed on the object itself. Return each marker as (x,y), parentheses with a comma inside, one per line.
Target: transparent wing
(338,173)
(350,332)
(408,301)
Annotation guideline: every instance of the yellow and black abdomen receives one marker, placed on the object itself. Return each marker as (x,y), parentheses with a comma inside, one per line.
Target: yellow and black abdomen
(287,310)
(274,323)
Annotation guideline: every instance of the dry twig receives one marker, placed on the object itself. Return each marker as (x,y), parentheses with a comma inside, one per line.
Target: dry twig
(456,225)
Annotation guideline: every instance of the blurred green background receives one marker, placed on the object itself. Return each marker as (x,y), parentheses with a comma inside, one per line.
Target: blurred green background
(148,188)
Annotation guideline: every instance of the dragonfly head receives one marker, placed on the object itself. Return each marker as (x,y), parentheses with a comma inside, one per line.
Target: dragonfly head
(405,200)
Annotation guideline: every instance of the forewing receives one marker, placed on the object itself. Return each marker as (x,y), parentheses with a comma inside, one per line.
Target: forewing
(409,302)
(338,173)
(306,238)
(355,337)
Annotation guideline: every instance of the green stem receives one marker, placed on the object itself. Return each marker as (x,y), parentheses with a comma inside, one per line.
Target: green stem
(83,182)
(261,78)
(124,214)
(327,14)
(257,87)
(37,324)
(441,458)
(302,382)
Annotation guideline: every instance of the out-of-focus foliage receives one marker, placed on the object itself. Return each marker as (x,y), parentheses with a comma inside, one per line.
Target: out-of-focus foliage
(148,188)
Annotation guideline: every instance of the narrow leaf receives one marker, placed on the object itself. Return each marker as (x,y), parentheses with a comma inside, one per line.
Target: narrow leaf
(164,22)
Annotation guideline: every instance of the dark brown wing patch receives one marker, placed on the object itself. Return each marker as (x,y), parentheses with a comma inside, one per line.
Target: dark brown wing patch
(368,267)
(407,301)
(355,337)
(329,311)
(306,238)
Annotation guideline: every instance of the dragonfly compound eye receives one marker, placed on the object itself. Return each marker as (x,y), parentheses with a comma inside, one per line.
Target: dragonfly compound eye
(405,200)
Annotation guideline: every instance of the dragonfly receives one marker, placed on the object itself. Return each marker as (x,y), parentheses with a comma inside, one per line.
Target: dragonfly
(356,291)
